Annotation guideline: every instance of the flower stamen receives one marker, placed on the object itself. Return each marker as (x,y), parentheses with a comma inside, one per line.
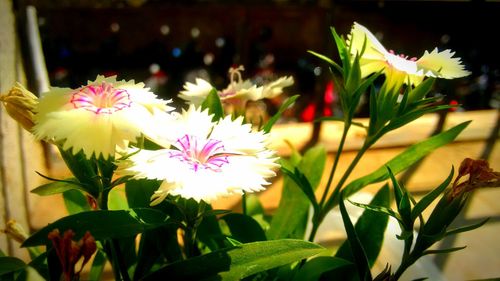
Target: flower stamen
(200,154)
(103,98)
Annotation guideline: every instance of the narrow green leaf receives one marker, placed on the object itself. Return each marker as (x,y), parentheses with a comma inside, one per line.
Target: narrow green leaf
(214,105)
(244,228)
(353,80)
(357,250)
(303,184)
(313,165)
(370,229)
(443,251)
(293,207)
(75,201)
(340,119)
(102,224)
(345,57)
(412,116)
(402,201)
(314,268)
(57,187)
(360,90)
(421,90)
(286,104)
(326,59)
(466,228)
(97,267)
(209,233)
(405,159)
(430,197)
(10,264)
(373,126)
(378,209)
(83,169)
(238,262)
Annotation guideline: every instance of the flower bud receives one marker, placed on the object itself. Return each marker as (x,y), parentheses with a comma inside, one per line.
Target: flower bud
(20,104)
(15,231)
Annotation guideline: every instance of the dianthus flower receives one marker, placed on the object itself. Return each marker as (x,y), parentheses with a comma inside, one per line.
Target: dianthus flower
(398,68)
(98,117)
(238,92)
(206,160)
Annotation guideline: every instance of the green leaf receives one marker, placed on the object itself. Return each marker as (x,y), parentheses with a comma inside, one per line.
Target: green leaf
(370,229)
(139,192)
(358,253)
(117,199)
(75,201)
(326,59)
(83,169)
(57,187)
(303,184)
(430,197)
(411,116)
(238,262)
(102,224)
(97,267)
(405,159)
(402,201)
(289,220)
(210,234)
(466,228)
(378,209)
(10,264)
(314,268)
(313,165)
(214,105)
(340,119)
(254,207)
(421,90)
(244,228)
(286,104)
(345,57)
(353,80)
(443,251)
(373,126)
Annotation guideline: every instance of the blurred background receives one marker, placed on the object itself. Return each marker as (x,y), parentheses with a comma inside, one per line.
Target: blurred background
(165,43)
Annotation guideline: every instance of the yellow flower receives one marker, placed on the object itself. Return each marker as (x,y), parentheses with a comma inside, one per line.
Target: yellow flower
(206,160)
(399,68)
(99,117)
(20,104)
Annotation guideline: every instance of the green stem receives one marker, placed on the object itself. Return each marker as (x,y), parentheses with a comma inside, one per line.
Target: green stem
(347,125)
(407,259)
(330,203)
(244,203)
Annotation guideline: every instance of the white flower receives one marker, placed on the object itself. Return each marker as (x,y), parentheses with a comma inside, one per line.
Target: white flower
(238,92)
(99,117)
(207,159)
(397,67)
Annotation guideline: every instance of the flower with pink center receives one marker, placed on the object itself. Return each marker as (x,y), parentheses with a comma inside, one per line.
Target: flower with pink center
(236,95)
(98,118)
(206,159)
(397,67)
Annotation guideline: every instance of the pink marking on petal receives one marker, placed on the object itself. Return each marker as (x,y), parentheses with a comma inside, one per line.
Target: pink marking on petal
(200,153)
(101,99)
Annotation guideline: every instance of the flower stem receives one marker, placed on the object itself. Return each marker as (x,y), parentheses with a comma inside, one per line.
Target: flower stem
(347,125)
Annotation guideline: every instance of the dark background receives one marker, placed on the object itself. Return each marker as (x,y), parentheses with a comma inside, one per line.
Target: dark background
(165,43)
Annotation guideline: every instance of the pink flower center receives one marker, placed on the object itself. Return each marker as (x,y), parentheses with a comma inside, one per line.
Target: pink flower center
(200,153)
(103,98)
(403,56)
